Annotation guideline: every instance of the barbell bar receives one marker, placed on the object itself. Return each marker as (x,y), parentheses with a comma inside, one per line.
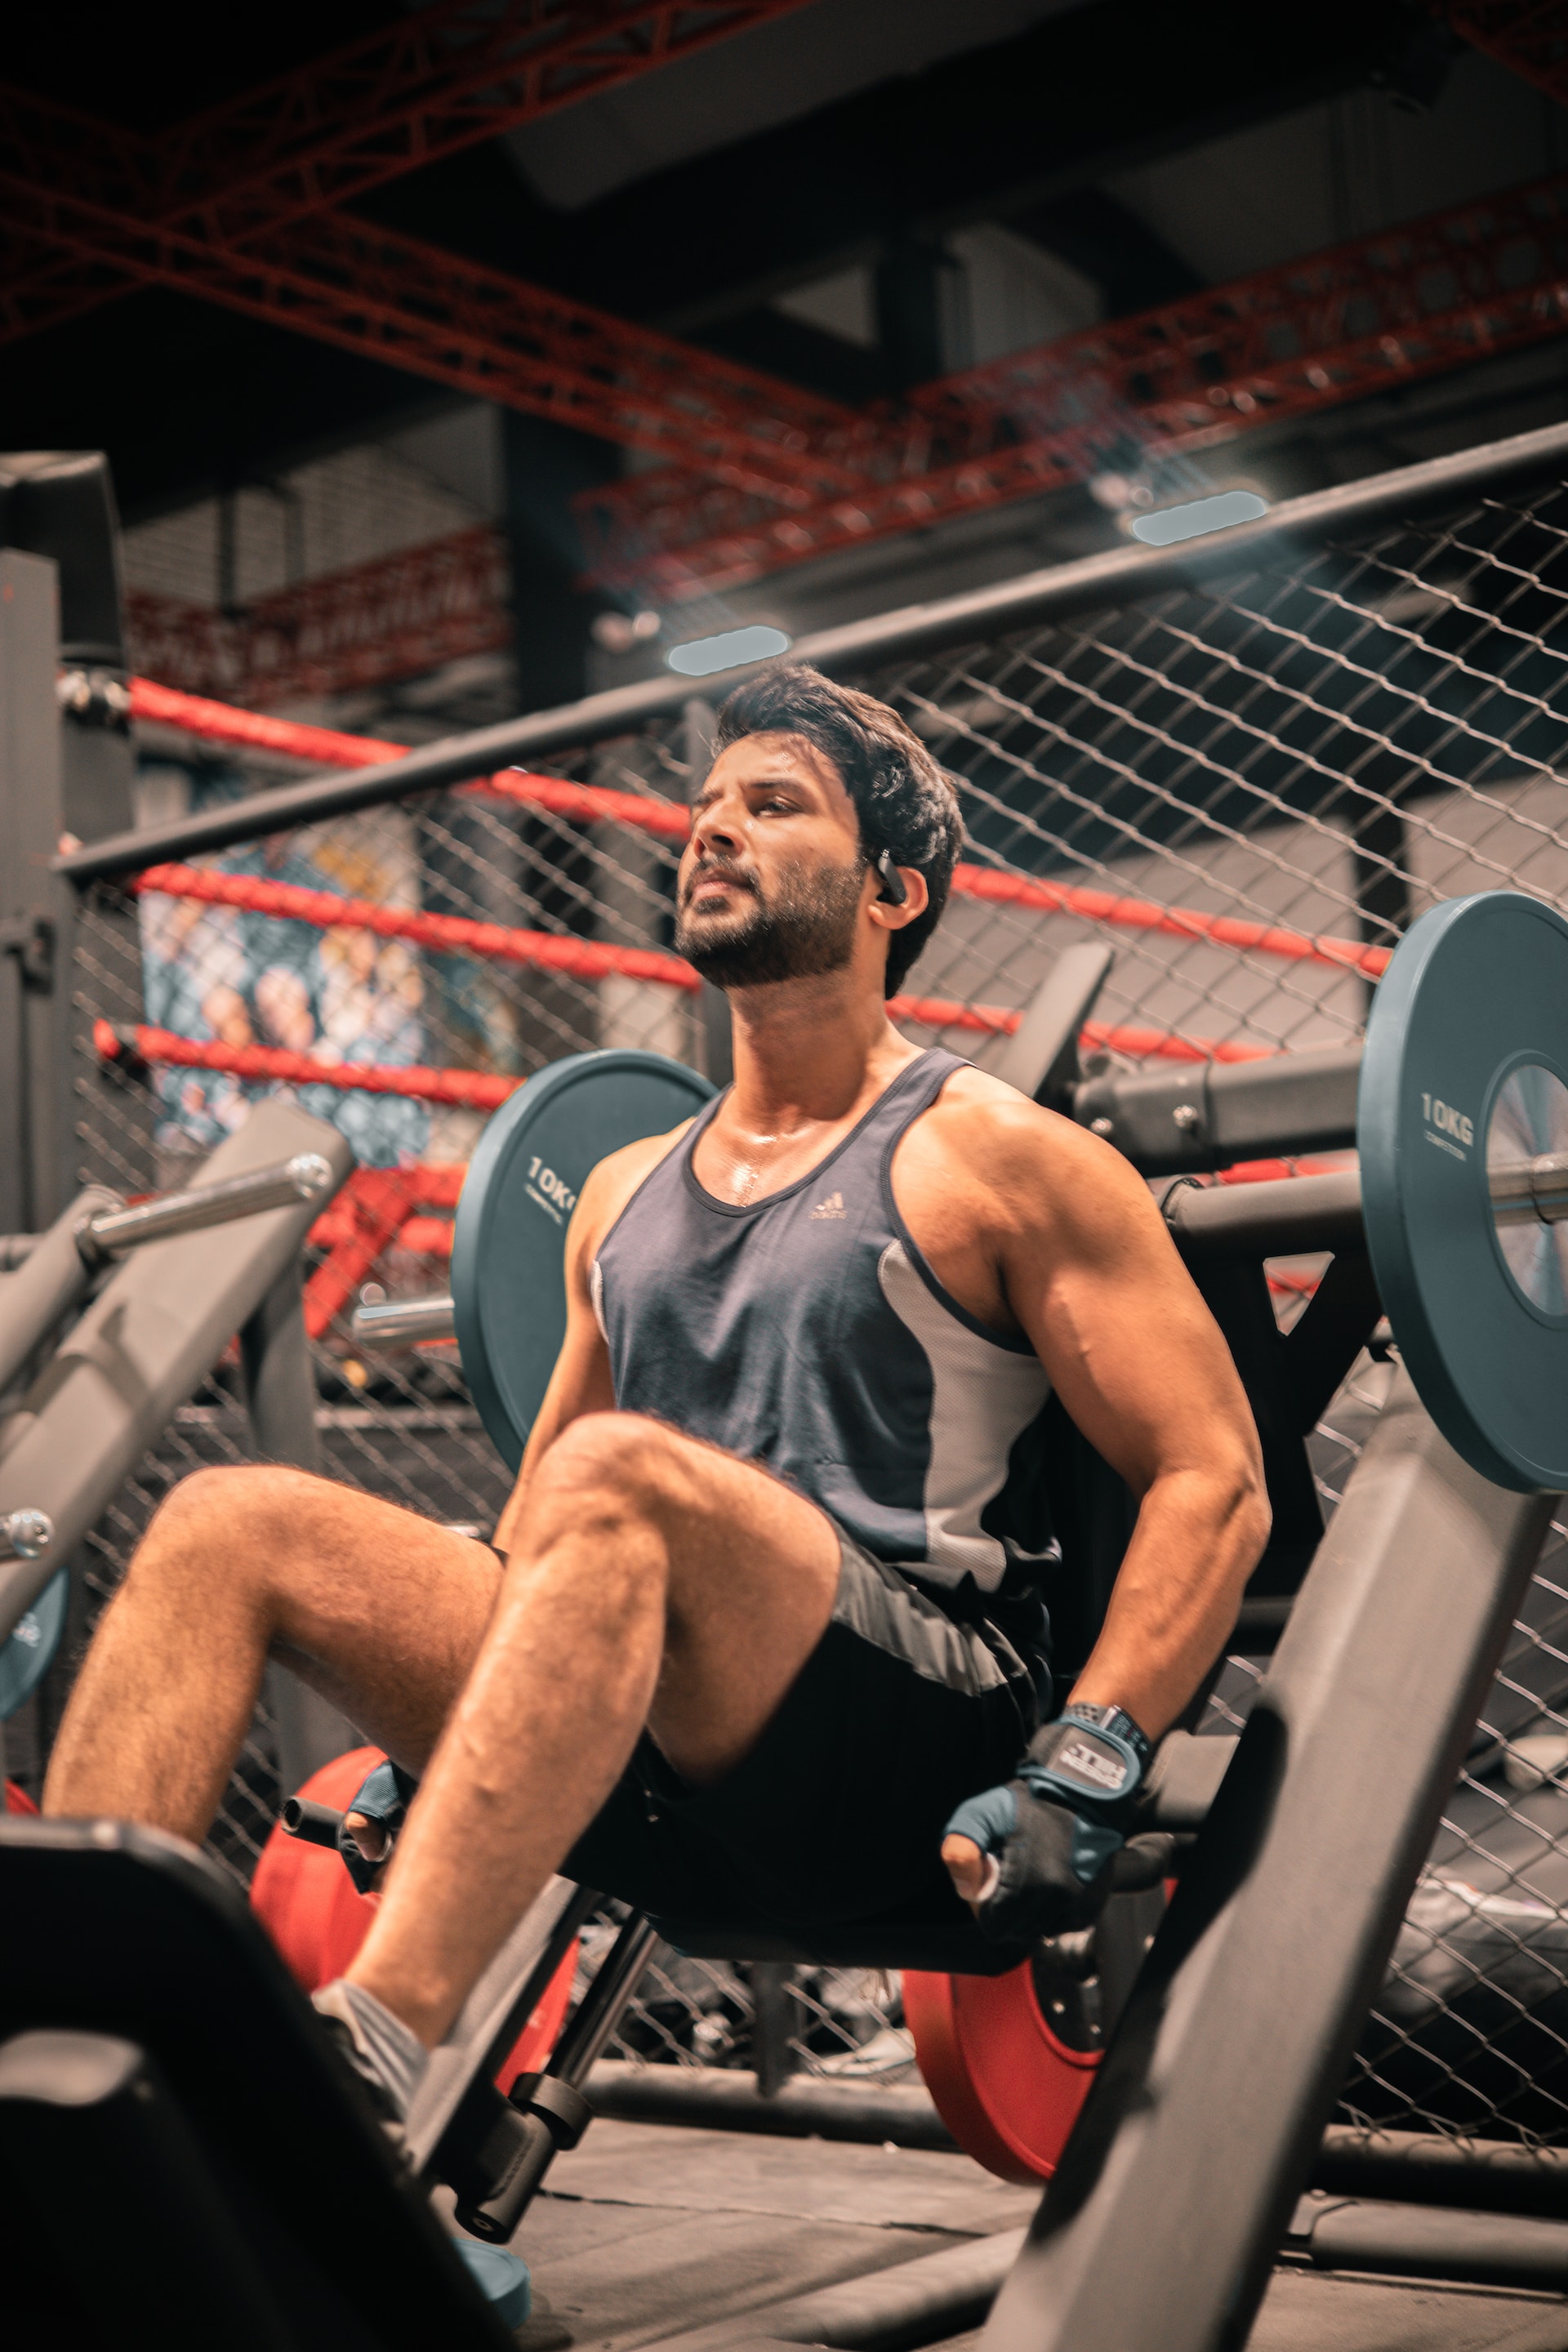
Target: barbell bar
(381,1322)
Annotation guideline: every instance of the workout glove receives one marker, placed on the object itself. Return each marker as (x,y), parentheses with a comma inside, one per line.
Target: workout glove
(385,1797)
(1052,1834)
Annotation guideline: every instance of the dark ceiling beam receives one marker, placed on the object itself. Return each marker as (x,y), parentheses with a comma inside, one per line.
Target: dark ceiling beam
(189,401)
(1017,131)
(992,135)
(1132,264)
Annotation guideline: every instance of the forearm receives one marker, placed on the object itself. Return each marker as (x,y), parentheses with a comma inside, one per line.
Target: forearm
(1199,1537)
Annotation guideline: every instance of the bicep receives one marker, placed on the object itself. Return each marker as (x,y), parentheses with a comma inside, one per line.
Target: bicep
(1139,1362)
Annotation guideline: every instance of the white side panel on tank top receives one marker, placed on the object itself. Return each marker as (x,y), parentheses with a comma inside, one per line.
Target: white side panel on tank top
(984,1397)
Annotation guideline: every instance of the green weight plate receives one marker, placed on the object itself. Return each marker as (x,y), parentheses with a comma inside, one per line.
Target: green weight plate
(24,1657)
(1466,1074)
(509,1292)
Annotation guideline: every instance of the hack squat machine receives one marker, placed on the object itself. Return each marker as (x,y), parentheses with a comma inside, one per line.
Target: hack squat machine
(173,2131)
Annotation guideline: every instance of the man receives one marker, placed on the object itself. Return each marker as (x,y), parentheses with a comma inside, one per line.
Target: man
(766,1606)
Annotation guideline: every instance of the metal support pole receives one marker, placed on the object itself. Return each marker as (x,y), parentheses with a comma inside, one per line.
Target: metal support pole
(35,912)
(716,1056)
(772,2017)
(280,1397)
(1158,2233)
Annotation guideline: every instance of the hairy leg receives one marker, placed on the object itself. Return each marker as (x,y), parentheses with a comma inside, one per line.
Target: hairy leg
(652,1580)
(381,1612)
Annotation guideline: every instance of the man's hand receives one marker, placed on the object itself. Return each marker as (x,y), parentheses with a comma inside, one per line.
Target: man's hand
(374,1816)
(1034,1857)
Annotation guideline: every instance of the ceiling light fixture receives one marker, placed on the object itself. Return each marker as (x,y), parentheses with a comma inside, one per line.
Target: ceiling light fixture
(700,657)
(1194,517)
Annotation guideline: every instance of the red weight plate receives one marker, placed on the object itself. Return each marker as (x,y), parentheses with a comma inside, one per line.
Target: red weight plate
(318,1918)
(537,2040)
(302,1894)
(17,1799)
(1007,2090)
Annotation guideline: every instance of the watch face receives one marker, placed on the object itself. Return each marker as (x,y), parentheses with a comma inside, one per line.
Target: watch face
(1093,1763)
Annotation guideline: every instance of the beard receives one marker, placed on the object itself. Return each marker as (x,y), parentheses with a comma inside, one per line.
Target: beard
(807,928)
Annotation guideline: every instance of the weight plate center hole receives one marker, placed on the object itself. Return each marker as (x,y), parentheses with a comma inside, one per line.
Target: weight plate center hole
(1527,1171)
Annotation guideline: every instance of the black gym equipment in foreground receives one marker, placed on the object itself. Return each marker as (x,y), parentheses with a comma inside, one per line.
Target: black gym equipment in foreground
(183,2155)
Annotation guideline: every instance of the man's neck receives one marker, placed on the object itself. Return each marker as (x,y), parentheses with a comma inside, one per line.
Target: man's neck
(808,1052)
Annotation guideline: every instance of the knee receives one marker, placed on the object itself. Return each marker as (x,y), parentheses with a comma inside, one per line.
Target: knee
(619,1461)
(244,1513)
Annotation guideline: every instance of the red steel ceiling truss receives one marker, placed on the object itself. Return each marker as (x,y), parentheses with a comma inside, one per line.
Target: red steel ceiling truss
(436,80)
(1529,36)
(1361,319)
(1191,374)
(342,280)
(395,617)
(240,208)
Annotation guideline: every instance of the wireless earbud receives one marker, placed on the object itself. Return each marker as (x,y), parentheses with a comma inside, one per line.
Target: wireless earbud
(892,880)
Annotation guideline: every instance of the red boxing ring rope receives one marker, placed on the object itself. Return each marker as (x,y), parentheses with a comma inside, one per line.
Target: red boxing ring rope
(592,804)
(584,960)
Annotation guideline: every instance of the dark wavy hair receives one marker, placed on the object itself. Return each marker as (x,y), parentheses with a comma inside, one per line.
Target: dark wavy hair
(907,804)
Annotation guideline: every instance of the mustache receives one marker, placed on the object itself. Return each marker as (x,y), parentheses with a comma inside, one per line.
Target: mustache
(720,869)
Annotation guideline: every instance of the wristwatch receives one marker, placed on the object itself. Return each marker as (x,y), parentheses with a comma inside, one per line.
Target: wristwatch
(1091,1759)
(1112,1719)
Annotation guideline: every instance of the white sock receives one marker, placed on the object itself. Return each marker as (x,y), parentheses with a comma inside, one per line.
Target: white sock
(390,2054)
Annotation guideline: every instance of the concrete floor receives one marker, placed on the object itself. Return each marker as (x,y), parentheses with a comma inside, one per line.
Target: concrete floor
(650,2230)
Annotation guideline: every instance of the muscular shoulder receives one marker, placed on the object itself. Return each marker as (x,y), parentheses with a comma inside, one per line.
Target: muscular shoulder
(610,1184)
(1020,1164)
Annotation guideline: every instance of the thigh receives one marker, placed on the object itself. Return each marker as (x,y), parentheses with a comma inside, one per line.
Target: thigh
(381,1612)
(835,1814)
(750,1570)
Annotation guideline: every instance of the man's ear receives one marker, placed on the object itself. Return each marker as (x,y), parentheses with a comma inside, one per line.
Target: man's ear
(916,900)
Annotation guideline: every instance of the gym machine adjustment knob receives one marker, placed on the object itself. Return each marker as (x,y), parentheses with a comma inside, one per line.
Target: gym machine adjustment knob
(25,1534)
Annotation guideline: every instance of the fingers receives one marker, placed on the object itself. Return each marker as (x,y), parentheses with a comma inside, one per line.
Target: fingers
(369,1836)
(965,1866)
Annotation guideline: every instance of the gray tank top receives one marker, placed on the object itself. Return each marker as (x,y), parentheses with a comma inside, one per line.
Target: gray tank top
(807,1333)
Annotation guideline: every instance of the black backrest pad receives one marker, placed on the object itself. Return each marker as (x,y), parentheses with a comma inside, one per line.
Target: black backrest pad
(112,1929)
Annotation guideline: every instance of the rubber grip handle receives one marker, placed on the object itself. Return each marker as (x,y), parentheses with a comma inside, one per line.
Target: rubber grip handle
(317,1824)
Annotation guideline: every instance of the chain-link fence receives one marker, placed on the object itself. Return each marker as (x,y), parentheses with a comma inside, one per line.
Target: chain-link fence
(1247,779)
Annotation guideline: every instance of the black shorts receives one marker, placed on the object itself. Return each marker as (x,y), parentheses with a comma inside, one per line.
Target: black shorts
(836,1815)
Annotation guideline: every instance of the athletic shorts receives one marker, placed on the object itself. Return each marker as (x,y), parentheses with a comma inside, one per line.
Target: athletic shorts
(836,1817)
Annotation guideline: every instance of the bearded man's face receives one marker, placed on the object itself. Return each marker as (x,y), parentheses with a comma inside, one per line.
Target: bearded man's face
(797,924)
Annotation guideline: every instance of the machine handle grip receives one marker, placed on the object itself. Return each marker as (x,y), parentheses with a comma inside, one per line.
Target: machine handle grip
(317,1824)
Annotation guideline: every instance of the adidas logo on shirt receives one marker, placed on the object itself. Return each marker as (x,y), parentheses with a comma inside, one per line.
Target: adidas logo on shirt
(832,1207)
